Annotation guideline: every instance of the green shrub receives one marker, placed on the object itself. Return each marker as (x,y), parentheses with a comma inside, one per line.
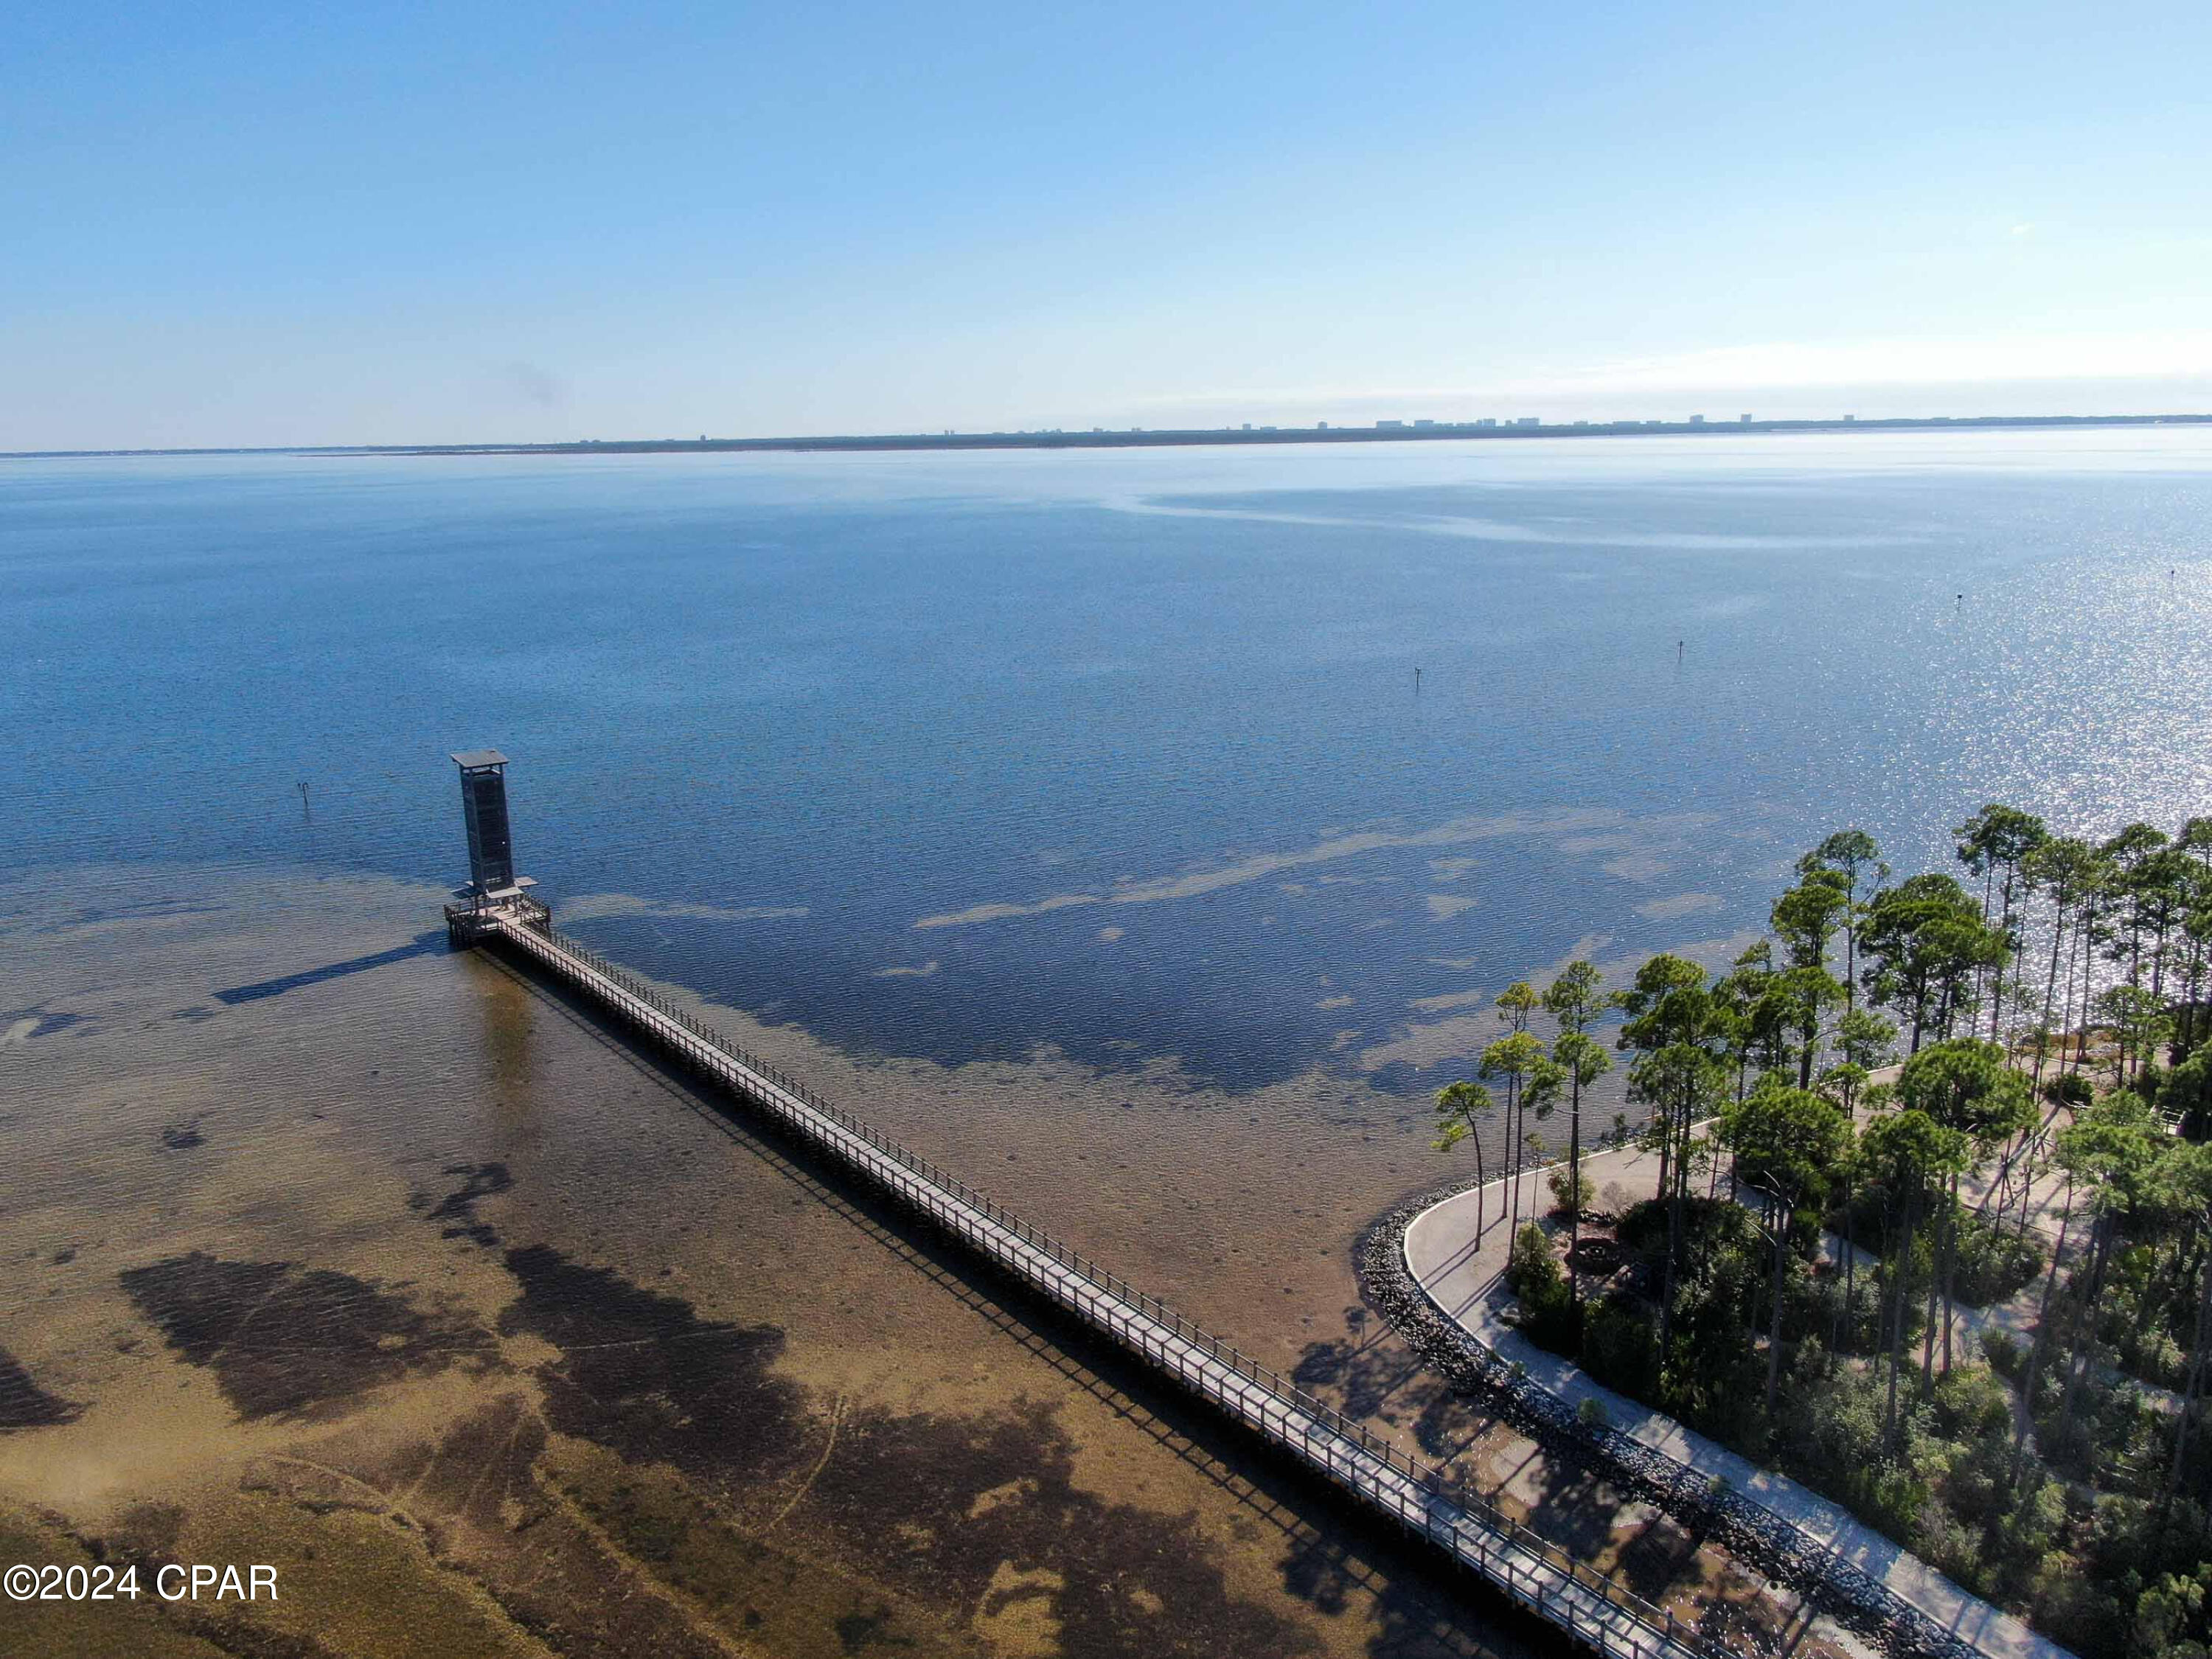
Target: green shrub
(1898,1498)
(1557,1181)
(1993,1262)
(1620,1346)
(1540,1287)
(2154,1356)
(1970,1403)
(1642,1227)
(2069,1089)
(1532,1267)
(1710,1226)
(1946,1543)
(2187,1092)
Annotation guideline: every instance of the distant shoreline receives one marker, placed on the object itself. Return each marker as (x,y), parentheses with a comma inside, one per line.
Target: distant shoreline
(1150,438)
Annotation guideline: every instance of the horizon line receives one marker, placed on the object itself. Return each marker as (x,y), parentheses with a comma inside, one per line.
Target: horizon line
(1414,430)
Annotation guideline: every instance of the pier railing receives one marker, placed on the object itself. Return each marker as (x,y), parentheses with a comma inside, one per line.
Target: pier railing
(1596,1608)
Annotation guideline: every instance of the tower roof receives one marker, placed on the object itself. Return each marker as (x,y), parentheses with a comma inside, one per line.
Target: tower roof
(470,759)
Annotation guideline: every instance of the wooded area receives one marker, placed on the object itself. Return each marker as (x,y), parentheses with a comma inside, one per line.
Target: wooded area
(1933,1223)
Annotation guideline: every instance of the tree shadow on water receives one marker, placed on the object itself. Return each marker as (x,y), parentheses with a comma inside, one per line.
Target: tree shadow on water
(1365,1377)
(1574,1508)
(1451,1425)
(1651,1552)
(1412,1620)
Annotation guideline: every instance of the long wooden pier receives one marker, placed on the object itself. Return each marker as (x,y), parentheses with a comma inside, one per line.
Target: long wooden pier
(1594,1608)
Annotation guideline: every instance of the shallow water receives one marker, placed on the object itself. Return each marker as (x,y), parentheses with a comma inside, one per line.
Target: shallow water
(495,1337)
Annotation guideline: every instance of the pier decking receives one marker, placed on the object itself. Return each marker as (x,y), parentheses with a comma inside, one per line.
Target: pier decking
(1595,1609)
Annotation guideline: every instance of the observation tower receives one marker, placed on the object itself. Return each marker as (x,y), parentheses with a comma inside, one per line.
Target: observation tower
(493,885)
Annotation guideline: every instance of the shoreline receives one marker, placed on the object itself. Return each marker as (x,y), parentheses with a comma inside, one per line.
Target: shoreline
(1853,1599)
(1462,1284)
(1146,438)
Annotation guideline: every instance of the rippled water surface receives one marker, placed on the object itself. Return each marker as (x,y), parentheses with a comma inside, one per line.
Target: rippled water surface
(956,755)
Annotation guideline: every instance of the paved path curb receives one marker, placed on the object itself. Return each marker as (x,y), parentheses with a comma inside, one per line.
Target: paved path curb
(1416,1265)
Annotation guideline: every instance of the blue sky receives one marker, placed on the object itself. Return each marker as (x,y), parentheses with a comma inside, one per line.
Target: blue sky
(231,223)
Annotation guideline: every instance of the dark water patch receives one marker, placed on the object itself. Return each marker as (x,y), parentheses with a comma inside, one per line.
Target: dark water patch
(483,1473)
(982,1505)
(458,1208)
(145,1533)
(24,1404)
(86,915)
(642,1375)
(183,1137)
(47,1023)
(996,999)
(856,1631)
(292,1342)
(433,943)
(1230,984)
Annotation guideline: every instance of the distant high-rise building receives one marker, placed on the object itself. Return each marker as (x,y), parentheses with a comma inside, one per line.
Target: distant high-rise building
(1389,426)
(1529,420)
(1848,419)
(1247,426)
(1696,420)
(1490,422)
(1743,420)
(1422,423)
(1321,426)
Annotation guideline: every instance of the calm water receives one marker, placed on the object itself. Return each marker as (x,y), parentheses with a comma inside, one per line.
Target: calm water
(955,755)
